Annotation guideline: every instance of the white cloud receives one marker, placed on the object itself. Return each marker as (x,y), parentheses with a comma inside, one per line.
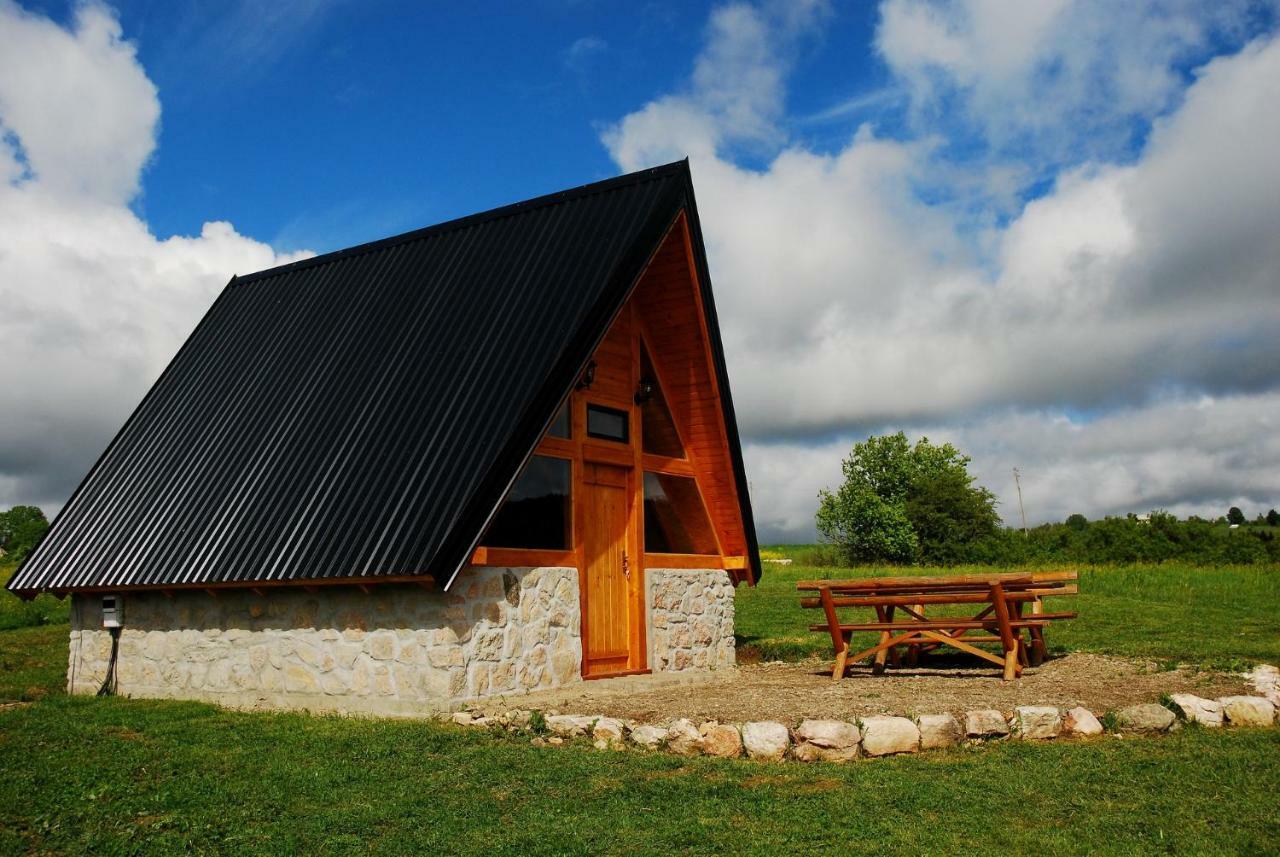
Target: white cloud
(853,300)
(1059,75)
(78,103)
(736,93)
(1187,455)
(92,304)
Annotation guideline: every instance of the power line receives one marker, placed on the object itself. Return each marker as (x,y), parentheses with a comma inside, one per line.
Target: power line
(1018,481)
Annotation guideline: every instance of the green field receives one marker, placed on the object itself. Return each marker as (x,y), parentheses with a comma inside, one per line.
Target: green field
(1221,618)
(118,776)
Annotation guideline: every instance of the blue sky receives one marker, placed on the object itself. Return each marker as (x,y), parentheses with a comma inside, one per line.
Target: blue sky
(1044,231)
(335,123)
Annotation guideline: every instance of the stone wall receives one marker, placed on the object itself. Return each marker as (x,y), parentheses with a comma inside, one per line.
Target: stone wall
(690,619)
(397,649)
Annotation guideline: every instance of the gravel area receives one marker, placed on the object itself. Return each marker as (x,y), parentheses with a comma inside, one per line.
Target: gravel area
(791,691)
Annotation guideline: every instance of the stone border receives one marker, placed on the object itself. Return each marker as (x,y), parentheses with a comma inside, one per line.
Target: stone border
(817,740)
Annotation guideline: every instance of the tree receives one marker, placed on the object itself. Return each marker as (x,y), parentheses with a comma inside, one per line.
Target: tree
(1273,518)
(948,514)
(1078,522)
(900,502)
(20,528)
(1235,516)
(866,527)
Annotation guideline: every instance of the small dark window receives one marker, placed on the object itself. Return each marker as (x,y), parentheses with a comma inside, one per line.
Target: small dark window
(607,423)
(560,425)
(674,518)
(536,514)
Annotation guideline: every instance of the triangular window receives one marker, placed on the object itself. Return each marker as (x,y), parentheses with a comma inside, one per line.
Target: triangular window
(657,428)
(675,521)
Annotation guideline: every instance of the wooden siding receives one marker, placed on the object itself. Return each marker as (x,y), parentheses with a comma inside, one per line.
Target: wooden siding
(672,322)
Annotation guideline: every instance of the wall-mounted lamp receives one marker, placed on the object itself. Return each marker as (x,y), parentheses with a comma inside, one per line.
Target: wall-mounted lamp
(588,376)
(644,391)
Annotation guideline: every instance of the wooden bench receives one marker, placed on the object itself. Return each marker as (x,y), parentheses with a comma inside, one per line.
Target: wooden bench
(1005,598)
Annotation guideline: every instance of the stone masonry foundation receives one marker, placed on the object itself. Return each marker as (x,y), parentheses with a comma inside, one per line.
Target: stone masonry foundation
(395,650)
(690,619)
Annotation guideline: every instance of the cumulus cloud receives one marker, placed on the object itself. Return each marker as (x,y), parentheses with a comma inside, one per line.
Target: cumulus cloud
(92,303)
(1056,75)
(736,92)
(883,286)
(76,104)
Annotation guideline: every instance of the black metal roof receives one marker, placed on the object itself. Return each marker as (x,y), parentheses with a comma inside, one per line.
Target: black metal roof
(362,414)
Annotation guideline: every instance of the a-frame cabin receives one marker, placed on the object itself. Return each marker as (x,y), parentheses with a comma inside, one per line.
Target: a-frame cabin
(641,441)
(493,455)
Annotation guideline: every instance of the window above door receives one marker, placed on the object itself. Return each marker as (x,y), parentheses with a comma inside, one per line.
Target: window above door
(605,423)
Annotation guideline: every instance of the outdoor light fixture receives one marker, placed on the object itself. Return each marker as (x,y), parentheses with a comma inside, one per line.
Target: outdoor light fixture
(588,376)
(644,392)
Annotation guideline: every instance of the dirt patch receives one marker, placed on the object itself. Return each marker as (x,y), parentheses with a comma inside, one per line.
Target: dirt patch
(789,692)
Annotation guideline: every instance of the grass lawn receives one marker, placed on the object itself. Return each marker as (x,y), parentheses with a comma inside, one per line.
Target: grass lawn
(117,776)
(1221,618)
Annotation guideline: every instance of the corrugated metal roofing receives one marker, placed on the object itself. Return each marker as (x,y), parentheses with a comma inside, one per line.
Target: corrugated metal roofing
(362,414)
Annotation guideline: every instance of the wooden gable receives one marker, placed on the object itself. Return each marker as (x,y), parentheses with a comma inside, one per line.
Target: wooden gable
(673,322)
(663,324)
(637,471)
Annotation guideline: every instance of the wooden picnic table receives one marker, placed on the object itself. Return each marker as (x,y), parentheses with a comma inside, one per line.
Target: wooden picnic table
(903,619)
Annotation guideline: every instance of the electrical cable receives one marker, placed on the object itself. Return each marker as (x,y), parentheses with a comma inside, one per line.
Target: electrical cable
(78,608)
(109,683)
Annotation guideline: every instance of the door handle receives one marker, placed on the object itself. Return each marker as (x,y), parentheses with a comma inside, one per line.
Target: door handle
(626,565)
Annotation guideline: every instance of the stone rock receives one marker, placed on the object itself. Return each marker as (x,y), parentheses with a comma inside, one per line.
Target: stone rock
(1206,712)
(1038,722)
(569,725)
(985,723)
(1081,722)
(1265,679)
(832,734)
(609,730)
(564,667)
(1248,710)
(649,737)
(938,731)
(1148,717)
(883,736)
(382,646)
(683,738)
(297,679)
(765,739)
(517,718)
(826,741)
(721,739)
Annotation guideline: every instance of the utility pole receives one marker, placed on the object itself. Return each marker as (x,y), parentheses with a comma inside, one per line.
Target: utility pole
(1017,480)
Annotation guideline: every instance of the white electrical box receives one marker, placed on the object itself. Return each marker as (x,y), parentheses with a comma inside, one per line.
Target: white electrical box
(112,611)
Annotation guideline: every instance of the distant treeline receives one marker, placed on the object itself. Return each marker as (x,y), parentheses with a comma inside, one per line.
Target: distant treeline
(1159,538)
(1131,539)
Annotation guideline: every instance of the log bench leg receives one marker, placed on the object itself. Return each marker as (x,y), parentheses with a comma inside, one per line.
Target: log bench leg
(1011,663)
(877,668)
(1038,649)
(842,660)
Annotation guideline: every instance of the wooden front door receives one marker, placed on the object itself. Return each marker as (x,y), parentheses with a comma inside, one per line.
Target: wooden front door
(609,569)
